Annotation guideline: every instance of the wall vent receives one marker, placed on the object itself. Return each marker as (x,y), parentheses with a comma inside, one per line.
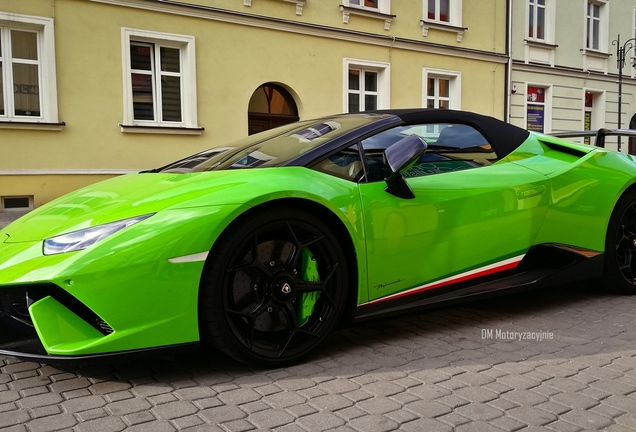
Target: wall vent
(16,203)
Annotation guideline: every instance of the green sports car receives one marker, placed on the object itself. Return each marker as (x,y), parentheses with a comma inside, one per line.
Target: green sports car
(262,247)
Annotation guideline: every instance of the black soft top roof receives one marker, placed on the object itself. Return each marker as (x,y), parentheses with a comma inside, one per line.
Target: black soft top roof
(504,137)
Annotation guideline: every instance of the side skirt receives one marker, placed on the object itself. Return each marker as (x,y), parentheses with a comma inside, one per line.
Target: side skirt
(542,266)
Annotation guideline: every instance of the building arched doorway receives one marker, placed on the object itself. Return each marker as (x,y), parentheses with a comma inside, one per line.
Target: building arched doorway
(632,140)
(270,106)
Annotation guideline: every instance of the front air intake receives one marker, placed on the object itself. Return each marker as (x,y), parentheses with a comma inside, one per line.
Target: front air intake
(38,292)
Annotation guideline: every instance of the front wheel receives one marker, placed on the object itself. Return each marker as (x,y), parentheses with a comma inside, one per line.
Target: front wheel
(620,247)
(273,287)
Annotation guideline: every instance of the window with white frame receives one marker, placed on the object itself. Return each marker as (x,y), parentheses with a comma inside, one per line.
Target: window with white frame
(537,19)
(363,90)
(382,6)
(439,10)
(28,91)
(443,11)
(442,89)
(541,25)
(596,25)
(159,79)
(366,85)
(376,9)
(593,25)
(373,4)
(437,92)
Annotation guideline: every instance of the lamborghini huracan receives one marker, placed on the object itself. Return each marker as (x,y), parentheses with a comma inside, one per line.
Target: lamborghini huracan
(261,247)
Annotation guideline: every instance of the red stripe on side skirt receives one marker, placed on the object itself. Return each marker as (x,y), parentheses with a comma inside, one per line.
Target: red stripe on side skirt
(508,264)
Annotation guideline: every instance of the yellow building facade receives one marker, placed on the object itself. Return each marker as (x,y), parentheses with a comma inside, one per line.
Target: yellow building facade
(96,88)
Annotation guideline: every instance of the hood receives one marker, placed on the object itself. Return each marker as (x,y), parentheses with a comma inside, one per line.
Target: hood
(138,194)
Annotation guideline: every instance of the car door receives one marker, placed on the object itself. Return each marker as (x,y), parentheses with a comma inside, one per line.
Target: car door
(472,214)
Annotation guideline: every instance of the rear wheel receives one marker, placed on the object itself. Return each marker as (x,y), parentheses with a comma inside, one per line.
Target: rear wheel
(273,288)
(620,247)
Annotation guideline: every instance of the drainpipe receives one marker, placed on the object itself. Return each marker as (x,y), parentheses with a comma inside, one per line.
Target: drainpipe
(508,78)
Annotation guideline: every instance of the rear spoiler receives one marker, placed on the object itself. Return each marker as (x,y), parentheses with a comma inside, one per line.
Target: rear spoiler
(599,134)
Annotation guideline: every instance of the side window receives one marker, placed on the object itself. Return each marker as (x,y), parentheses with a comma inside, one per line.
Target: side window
(345,164)
(451,147)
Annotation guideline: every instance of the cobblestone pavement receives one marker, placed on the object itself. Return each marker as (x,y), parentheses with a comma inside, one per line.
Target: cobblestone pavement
(7,217)
(459,368)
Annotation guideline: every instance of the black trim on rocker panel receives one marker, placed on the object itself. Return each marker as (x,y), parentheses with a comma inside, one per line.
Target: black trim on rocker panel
(543,265)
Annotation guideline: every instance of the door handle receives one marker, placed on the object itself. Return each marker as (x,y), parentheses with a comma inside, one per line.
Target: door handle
(530,192)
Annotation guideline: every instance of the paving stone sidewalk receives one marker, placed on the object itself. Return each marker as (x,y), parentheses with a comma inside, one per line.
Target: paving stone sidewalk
(7,217)
(463,368)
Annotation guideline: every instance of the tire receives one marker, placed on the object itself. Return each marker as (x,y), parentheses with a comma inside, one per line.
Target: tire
(619,274)
(273,287)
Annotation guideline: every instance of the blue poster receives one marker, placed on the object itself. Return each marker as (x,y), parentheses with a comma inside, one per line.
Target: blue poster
(535,117)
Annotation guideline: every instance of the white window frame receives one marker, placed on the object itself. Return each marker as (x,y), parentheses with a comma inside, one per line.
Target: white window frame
(533,17)
(455,86)
(384,6)
(603,30)
(547,106)
(186,46)
(384,75)
(541,50)
(454,15)
(46,67)
(549,23)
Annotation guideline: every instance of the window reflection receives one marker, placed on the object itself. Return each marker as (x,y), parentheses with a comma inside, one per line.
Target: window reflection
(24,45)
(171,98)
(252,160)
(25,69)
(26,89)
(141,57)
(364,3)
(316,131)
(170,60)
(273,147)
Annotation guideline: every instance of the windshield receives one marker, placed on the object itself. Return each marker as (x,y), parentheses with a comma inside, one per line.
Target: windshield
(273,147)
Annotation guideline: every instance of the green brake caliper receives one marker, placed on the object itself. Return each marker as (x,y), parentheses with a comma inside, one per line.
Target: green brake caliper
(308,299)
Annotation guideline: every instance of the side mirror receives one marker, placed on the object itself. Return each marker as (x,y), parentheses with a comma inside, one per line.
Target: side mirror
(401,156)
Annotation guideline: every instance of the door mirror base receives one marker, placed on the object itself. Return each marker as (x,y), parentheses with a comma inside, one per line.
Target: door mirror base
(401,156)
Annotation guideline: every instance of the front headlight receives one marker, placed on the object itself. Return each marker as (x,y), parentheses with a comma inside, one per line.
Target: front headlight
(80,240)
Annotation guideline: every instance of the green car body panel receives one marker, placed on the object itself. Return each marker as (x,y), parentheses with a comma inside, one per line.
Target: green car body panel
(536,195)
(160,294)
(144,280)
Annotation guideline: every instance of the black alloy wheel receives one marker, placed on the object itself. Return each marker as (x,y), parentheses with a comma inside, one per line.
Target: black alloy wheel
(274,287)
(620,247)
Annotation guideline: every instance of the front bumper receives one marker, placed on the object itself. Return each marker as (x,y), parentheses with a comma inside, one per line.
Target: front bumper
(61,321)
(129,293)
